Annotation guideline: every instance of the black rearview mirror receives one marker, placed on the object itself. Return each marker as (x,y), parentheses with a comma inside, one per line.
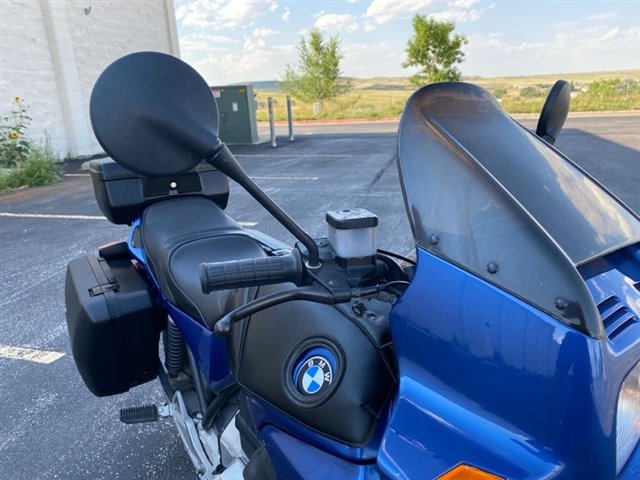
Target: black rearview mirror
(154,114)
(554,112)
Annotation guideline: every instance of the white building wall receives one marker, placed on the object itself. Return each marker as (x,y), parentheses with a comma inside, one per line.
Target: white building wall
(26,70)
(52,53)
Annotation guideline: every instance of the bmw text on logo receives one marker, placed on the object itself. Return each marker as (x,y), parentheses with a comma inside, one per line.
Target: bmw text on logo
(316,375)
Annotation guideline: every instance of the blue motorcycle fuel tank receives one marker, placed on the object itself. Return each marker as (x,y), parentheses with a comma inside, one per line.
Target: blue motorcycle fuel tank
(522,321)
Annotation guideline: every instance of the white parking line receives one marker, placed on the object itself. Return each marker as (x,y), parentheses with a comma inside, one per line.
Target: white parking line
(50,215)
(269,177)
(29,354)
(293,155)
(76,175)
(81,217)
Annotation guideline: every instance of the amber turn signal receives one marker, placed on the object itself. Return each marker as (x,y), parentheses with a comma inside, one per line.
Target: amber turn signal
(467,472)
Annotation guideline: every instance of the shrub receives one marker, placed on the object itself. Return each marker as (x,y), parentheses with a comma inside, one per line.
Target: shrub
(532,92)
(14,148)
(612,94)
(499,92)
(22,163)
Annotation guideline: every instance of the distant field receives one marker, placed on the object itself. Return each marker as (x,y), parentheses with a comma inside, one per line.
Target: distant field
(570,77)
(384,97)
(369,104)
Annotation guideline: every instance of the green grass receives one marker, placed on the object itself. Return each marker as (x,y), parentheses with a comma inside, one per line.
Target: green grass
(377,98)
(39,169)
(365,104)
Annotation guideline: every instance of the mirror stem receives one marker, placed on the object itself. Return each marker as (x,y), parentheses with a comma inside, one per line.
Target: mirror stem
(223,160)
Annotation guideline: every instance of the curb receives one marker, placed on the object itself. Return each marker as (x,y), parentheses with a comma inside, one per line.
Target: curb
(604,113)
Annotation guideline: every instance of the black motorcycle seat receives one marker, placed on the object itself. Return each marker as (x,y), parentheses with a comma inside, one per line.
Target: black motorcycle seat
(180,234)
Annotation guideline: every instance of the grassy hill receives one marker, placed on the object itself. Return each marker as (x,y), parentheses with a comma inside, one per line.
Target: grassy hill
(587,77)
(384,97)
(402,83)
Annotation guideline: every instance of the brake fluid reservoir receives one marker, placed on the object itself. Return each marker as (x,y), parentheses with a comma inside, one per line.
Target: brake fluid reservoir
(353,232)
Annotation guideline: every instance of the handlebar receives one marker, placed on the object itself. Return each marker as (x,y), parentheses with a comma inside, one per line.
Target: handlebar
(251,272)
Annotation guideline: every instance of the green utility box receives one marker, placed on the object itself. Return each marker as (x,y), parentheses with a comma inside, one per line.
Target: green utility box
(237,108)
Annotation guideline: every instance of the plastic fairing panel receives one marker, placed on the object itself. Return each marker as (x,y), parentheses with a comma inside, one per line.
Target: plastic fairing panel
(486,194)
(488,379)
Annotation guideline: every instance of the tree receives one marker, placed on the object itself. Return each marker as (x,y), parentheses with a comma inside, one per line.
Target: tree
(435,50)
(317,76)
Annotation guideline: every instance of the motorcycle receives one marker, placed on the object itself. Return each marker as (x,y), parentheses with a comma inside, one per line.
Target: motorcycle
(506,346)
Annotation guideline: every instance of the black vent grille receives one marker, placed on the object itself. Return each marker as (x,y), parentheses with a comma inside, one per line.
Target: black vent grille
(616,316)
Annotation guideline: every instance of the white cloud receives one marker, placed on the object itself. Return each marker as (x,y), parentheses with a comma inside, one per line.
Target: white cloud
(196,45)
(220,14)
(264,32)
(286,15)
(461,15)
(579,49)
(613,33)
(237,12)
(336,22)
(603,17)
(566,24)
(181,12)
(597,39)
(195,14)
(255,62)
(463,3)
(382,11)
(273,7)
(359,58)
(253,44)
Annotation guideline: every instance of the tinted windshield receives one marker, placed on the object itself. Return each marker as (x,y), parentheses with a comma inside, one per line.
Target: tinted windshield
(480,190)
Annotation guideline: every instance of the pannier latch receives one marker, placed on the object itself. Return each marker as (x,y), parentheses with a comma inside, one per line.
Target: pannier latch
(102,289)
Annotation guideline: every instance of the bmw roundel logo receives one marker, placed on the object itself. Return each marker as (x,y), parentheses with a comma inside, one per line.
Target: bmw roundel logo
(315,376)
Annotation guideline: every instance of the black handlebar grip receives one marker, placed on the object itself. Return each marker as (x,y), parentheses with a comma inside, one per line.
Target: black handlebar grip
(251,272)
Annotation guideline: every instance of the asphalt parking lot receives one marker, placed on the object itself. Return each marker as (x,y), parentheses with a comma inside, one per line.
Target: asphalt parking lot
(50,425)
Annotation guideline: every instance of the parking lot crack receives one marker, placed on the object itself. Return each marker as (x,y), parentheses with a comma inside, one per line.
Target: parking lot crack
(380,173)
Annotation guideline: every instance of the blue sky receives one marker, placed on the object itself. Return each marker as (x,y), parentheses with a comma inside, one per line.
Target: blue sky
(231,41)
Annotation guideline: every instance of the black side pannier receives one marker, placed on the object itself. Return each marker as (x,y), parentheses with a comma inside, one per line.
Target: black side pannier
(114,321)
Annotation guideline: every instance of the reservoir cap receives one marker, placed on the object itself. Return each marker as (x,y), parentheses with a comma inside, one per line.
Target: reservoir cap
(351,219)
